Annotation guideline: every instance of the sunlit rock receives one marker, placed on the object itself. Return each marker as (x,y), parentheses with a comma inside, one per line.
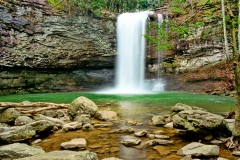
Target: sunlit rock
(79,143)
(19,150)
(83,119)
(131,142)
(155,142)
(198,121)
(71,126)
(82,105)
(57,122)
(158,120)
(141,133)
(8,115)
(22,120)
(16,134)
(61,155)
(198,149)
(106,115)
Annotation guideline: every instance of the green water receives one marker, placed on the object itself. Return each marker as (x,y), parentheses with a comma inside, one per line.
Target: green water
(163,99)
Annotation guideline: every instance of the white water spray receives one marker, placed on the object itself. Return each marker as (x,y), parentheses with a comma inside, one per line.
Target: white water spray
(131,46)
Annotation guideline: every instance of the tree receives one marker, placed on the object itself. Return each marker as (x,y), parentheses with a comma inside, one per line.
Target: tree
(236,131)
(225,31)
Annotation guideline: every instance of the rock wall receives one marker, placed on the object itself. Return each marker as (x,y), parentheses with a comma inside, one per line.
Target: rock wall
(41,48)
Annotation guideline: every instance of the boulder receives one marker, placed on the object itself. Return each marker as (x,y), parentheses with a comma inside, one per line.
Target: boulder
(64,155)
(106,115)
(197,149)
(16,134)
(19,150)
(79,143)
(155,142)
(57,122)
(22,120)
(158,120)
(9,115)
(82,119)
(87,127)
(131,142)
(71,126)
(198,121)
(82,105)
(141,133)
(42,126)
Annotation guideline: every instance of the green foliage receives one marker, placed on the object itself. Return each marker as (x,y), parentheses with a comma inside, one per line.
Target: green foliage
(94,7)
(176,6)
(170,30)
(56,3)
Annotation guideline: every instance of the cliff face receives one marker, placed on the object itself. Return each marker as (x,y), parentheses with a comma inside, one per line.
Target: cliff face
(34,36)
(44,50)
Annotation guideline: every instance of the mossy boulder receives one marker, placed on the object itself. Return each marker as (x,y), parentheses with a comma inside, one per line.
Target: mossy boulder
(82,105)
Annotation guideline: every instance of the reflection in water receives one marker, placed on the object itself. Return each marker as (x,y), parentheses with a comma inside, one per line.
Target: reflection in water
(130,107)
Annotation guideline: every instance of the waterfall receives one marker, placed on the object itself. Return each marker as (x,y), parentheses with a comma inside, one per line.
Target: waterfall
(159,86)
(130,65)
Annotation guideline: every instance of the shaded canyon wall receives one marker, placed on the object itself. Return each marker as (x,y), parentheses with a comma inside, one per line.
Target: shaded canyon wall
(44,50)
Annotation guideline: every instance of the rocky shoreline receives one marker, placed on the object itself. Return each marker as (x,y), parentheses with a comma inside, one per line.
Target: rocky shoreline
(23,125)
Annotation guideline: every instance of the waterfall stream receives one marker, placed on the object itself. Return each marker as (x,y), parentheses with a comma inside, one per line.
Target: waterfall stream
(131,46)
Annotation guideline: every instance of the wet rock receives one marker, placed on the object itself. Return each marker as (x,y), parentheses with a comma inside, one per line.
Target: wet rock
(169,125)
(9,115)
(152,136)
(16,134)
(106,115)
(83,119)
(42,126)
(220,158)
(236,153)
(71,126)
(19,150)
(155,142)
(158,120)
(57,122)
(64,155)
(141,133)
(111,158)
(82,105)
(123,130)
(217,142)
(22,120)
(198,121)
(103,125)
(198,149)
(161,136)
(133,123)
(79,143)
(88,127)
(131,142)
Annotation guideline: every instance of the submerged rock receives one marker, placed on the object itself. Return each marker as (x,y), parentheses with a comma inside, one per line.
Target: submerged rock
(19,150)
(198,149)
(64,155)
(82,105)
